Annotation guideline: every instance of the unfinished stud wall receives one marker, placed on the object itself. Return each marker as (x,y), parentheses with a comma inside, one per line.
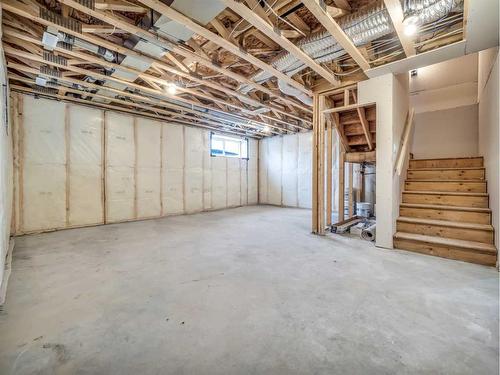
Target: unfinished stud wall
(285,170)
(81,166)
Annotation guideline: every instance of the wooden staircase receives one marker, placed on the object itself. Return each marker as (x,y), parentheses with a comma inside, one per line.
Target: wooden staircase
(445,211)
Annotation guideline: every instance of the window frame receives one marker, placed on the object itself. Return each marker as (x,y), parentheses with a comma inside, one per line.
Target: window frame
(240,139)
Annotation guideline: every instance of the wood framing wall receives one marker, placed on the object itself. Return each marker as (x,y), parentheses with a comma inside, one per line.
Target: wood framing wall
(78,166)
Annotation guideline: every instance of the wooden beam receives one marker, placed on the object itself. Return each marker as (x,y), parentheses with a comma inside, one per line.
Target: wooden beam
(318,164)
(247,14)
(116,108)
(361,157)
(336,31)
(200,30)
(366,127)
(329,177)
(341,215)
(27,12)
(340,131)
(396,13)
(158,91)
(119,5)
(90,58)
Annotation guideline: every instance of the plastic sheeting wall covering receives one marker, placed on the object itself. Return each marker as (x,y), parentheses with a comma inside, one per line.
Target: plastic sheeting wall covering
(108,167)
(6,170)
(285,170)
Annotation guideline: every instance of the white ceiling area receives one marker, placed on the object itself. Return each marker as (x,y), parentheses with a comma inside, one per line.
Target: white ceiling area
(445,85)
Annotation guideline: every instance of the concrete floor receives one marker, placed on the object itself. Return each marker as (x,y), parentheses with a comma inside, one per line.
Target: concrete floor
(241,291)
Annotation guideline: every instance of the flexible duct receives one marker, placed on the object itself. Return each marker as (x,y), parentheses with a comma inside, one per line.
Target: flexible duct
(362,27)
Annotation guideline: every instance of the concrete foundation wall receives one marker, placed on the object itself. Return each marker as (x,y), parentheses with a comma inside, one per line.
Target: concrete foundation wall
(489,123)
(83,166)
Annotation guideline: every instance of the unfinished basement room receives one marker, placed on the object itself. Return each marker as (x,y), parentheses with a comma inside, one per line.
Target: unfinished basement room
(249,187)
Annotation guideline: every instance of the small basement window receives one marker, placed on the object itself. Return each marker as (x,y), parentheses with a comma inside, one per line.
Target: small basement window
(231,147)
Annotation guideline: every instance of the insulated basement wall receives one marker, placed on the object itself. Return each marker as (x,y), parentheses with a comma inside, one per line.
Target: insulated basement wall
(285,166)
(5,173)
(80,166)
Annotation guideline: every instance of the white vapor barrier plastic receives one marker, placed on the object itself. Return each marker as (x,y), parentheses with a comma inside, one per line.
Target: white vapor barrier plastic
(243,170)
(304,170)
(233,182)
(193,164)
(207,172)
(219,182)
(290,165)
(148,184)
(275,167)
(85,188)
(107,167)
(120,167)
(44,169)
(173,169)
(253,171)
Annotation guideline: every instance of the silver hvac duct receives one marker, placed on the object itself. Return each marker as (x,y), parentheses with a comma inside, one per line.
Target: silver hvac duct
(362,27)
(91,47)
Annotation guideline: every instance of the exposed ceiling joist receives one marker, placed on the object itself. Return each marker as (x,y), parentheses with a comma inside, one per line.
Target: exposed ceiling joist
(27,12)
(336,31)
(396,13)
(217,39)
(247,14)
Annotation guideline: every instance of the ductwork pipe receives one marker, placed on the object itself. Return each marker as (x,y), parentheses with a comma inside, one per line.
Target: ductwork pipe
(287,89)
(362,27)
(419,12)
(77,42)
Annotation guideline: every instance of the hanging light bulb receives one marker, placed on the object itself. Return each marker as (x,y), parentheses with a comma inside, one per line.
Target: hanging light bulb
(410,24)
(171,88)
(266,129)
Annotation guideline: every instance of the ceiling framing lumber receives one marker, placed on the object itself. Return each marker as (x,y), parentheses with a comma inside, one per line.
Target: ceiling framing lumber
(336,31)
(141,106)
(25,55)
(247,14)
(131,96)
(396,13)
(120,109)
(22,10)
(219,40)
(157,40)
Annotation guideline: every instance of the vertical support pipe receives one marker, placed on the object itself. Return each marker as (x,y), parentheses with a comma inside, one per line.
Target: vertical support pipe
(351,211)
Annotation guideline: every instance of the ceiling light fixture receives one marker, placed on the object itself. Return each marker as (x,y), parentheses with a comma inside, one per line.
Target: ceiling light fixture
(410,24)
(266,129)
(171,88)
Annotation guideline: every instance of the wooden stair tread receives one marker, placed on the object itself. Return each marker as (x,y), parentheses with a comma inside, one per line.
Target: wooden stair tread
(445,169)
(440,180)
(459,158)
(470,245)
(445,207)
(446,223)
(458,193)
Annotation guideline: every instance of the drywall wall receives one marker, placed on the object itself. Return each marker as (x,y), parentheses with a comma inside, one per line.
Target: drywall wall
(5,171)
(391,95)
(109,167)
(489,135)
(447,133)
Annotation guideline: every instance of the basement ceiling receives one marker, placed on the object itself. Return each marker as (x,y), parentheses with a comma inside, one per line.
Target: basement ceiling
(247,68)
